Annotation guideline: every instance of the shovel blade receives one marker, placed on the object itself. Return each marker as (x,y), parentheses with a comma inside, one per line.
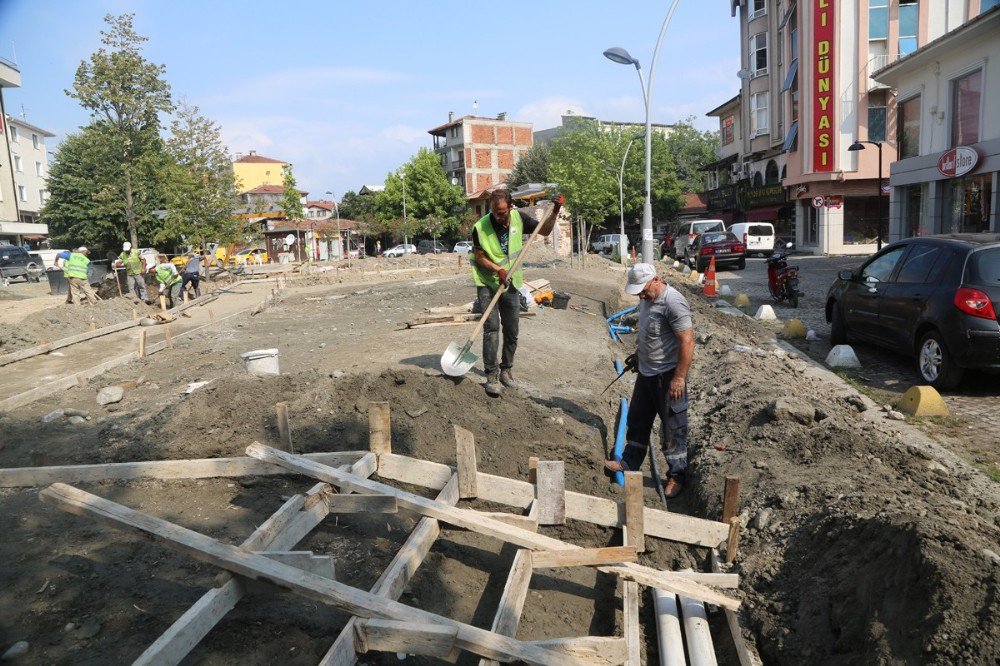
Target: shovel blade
(457,360)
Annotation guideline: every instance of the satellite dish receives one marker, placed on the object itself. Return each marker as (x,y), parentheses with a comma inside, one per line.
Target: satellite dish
(744,74)
(454,181)
(290,239)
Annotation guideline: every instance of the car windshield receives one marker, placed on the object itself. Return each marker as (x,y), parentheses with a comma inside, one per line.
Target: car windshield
(716,237)
(702,227)
(984,267)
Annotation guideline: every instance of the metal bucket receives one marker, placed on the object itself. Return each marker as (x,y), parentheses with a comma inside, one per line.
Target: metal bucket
(261,361)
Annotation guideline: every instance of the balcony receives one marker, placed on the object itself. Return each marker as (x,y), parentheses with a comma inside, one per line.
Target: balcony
(10,75)
(875,63)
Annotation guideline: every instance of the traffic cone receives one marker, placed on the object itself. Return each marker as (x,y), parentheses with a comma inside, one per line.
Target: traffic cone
(709,288)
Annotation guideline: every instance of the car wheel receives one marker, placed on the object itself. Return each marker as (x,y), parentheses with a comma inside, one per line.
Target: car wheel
(935,364)
(838,330)
(741,264)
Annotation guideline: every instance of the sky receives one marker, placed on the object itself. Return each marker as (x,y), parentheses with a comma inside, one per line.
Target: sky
(346,91)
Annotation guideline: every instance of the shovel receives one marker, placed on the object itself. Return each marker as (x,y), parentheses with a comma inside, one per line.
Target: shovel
(459,359)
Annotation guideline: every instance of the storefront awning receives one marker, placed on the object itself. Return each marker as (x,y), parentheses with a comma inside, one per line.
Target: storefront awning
(766,214)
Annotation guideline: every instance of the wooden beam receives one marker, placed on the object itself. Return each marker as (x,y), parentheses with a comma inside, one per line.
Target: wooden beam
(587,508)
(597,650)
(337,503)
(63,383)
(584,557)
(396,576)
(551,492)
(465,454)
(22,354)
(634,511)
(23,477)
(743,652)
(533,469)
(731,499)
(524,522)
(733,543)
(380,436)
(284,427)
(476,522)
(321,565)
(633,639)
(429,640)
(142,343)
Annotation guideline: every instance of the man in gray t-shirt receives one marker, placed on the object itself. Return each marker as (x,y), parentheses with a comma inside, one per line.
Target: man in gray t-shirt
(663,358)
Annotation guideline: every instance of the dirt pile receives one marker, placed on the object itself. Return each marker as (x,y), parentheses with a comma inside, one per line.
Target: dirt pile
(65,320)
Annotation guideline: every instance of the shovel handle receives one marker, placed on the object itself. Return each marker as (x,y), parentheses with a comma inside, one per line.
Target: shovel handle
(502,289)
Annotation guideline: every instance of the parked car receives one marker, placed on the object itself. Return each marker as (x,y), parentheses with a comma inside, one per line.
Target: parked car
(251,255)
(687,232)
(16,262)
(400,250)
(932,297)
(431,247)
(757,236)
(724,246)
(607,243)
(463,246)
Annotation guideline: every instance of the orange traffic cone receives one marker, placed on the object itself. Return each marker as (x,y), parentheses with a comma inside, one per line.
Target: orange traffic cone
(709,288)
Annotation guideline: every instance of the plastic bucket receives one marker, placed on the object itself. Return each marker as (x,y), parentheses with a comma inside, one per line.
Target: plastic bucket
(261,361)
(560,300)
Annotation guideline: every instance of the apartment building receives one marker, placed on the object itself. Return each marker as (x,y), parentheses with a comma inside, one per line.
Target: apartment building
(806,97)
(253,171)
(30,163)
(570,121)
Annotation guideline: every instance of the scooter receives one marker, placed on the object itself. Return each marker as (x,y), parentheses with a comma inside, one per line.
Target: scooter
(782,279)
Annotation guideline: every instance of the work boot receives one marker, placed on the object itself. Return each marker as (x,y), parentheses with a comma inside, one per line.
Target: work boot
(493,385)
(672,488)
(507,378)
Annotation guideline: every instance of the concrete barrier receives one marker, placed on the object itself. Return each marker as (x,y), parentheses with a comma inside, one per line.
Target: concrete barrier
(794,328)
(922,401)
(765,313)
(742,301)
(843,356)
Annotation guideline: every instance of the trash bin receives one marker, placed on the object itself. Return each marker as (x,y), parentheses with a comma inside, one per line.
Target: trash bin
(560,300)
(96,271)
(57,281)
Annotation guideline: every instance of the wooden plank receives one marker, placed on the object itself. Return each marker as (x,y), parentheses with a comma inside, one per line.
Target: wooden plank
(429,640)
(584,557)
(587,508)
(63,383)
(142,343)
(476,522)
(23,477)
(533,469)
(361,504)
(633,639)
(733,543)
(524,522)
(321,565)
(310,586)
(465,444)
(22,354)
(551,492)
(396,576)
(380,436)
(284,427)
(746,656)
(598,650)
(634,511)
(731,499)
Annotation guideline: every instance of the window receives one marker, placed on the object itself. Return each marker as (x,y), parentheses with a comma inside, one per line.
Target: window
(967,204)
(758,114)
(727,130)
(987,5)
(38,168)
(22,193)
(17,162)
(876,123)
(758,54)
(908,21)
(878,19)
(34,141)
(966,96)
(912,208)
(41,197)
(861,220)
(908,124)
(13,134)
(758,8)
(881,268)
(918,264)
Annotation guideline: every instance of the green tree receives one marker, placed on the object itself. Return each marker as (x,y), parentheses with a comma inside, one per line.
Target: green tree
(428,194)
(532,167)
(577,164)
(691,150)
(201,191)
(291,198)
(354,206)
(125,94)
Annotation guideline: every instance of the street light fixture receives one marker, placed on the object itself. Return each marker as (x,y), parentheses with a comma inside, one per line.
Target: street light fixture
(859,145)
(622,57)
(405,236)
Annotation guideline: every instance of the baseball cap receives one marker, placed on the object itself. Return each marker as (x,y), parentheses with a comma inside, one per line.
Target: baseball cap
(638,276)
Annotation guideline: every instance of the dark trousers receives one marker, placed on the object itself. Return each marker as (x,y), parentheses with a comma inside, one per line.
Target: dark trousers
(506,312)
(191,278)
(651,398)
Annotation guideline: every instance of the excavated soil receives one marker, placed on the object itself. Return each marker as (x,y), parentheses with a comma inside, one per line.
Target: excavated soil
(865,542)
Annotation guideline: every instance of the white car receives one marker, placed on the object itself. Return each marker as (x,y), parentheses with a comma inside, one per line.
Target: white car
(463,246)
(400,250)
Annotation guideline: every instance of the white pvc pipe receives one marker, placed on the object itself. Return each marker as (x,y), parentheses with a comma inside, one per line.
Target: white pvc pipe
(668,628)
(701,651)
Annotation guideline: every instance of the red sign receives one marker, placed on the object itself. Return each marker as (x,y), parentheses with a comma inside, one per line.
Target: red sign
(958,161)
(823,100)
(834,200)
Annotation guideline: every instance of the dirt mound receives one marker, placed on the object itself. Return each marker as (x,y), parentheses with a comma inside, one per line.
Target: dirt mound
(65,320)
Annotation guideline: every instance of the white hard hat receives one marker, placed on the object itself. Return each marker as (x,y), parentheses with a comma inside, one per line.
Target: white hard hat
(126,246)
(82,249)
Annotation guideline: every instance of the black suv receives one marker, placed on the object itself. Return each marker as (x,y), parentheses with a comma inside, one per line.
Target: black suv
(430,247)
(933,297)
(16,262)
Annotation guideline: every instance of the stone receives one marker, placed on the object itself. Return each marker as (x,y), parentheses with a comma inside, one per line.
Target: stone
(843,356)
(922,401)
(713,391)
(791,408)
(897,416)
(110,394)
(761,520)
(991,555)
(765,313)
(811,335)
(16,650)
(53,415)
(338,374)
(77,420)
(431,372)
(89,629)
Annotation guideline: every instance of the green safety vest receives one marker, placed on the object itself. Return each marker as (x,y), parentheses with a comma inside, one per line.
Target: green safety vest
(76,266)
(490,244)
(132,261)
(166,276)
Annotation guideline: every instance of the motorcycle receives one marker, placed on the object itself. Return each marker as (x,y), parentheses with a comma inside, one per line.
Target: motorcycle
(782,279)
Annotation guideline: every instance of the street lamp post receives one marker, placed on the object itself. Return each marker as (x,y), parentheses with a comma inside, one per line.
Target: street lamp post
(405,237)
(859,145)
(621,56)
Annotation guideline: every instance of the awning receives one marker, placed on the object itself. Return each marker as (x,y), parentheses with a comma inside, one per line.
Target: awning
(793,132)
(790,77)
(765,214)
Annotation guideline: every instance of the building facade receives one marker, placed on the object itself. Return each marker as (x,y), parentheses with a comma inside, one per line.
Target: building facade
(253,170)
(570,121)
(30,163)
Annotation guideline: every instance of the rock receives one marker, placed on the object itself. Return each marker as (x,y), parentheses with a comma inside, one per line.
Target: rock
(414,413)
(16,650)
(69,627)
(77,412)
(322,345)
(431,372)
(761,520)
(790,408)
(991,555)
(110,394)
(897,416)
(77,420)
(53,415)
(89,629)
(713,391)
(338,374)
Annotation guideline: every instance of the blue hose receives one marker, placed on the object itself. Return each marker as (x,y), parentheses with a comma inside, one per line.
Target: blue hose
(621,329)
(623,313)
(620,436)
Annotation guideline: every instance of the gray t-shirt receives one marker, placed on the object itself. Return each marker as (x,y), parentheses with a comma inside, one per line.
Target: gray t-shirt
(660,321)
(193,265)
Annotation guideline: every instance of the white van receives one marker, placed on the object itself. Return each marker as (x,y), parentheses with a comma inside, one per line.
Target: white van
(687,231)
(757,236)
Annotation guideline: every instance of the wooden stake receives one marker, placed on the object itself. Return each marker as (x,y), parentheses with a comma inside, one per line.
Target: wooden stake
(731,498)
(211,317)
(284,428)
(142,343)
(533,469)
(135,313)
(380,436)
(163,303)
(634,511)
(166,336)
(81,380)
(551,492)
(93,325)
(734,540)
(184,296)
(466,456)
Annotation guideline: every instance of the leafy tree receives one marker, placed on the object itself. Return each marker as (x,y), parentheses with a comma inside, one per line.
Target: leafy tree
(201,192)
(125,94)
(577,163)
(532,167)
(291,199)
(428,194)
(691,150)
(354,206)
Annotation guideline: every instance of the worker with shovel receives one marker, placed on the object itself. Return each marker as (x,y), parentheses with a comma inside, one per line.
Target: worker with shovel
(496,244)
(663,357)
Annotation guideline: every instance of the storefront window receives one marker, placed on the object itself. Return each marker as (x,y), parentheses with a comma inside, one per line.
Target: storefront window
(912,206)
(861,220)
(967,205)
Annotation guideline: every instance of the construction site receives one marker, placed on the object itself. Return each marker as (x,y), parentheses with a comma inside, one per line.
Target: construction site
(167,498)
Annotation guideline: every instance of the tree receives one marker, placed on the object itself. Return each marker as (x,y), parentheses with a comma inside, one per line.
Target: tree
(532,167)
(428,195)
(354,206)
(125,95)
(577,164)
(691,150)
(291,198)
(201,192)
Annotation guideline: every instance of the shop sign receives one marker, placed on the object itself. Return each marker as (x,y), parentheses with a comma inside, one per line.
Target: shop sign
(830,201)
(823,101)
(754,197)
(958,161)
(721,198)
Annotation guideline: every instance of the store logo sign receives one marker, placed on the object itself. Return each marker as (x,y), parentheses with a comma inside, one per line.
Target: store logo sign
(958,161)
(823,102)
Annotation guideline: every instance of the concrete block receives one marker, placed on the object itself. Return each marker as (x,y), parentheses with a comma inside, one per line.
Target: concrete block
(811,335)
(765,313)
(676,264)
(794,328)
(922,401)
(843,356)
(693,276)
(742,301)
(724,290)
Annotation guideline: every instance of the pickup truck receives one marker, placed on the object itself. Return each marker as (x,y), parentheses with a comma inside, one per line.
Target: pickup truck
(16,262)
